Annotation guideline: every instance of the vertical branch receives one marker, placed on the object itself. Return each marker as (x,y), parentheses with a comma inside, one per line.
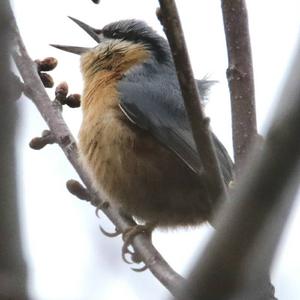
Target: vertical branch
(240,78)
(12,265)
(199,123)
(259,208)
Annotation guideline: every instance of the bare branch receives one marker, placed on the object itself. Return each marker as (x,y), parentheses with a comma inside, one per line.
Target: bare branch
(18,86)
(35,90)
(250,226)
(13,270)
(240,78)
(169,18)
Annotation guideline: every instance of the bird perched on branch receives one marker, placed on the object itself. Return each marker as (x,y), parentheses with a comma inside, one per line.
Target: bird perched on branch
(135,139)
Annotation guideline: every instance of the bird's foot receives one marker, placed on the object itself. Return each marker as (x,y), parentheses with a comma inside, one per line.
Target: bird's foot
(128,237)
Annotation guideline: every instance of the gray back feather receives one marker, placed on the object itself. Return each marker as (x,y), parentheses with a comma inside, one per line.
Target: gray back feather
(151,98)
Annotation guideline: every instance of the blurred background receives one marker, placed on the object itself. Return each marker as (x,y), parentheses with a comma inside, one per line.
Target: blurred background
(67,256)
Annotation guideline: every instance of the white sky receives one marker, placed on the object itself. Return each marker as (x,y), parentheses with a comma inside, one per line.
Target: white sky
(68,257)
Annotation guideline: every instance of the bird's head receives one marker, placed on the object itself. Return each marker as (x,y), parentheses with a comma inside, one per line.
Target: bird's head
(121,46)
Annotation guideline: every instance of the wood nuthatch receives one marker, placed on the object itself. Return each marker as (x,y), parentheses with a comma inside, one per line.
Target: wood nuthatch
(135,139)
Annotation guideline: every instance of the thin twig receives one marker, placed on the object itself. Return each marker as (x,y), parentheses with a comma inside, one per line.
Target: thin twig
(199,123)
(250,226)
(35,90)
(240,78)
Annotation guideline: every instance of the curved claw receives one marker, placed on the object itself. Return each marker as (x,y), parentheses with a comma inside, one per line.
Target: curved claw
(109,234)
(125,251)
(142,269)
(128,237)
(100,207)
(97,212)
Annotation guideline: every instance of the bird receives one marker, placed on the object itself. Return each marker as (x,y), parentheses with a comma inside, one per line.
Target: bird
(135,139)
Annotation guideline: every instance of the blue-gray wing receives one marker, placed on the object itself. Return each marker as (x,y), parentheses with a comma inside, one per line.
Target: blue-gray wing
(158,108)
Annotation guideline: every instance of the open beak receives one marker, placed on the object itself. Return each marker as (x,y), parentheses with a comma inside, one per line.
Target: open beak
(72,49)
(94,33)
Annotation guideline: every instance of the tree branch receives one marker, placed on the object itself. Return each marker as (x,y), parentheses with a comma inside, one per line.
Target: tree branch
(169,17)
(240,78)
(13,271)
(53,117)
(250,226)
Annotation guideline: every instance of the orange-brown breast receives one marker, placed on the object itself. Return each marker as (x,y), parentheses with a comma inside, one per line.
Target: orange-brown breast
(134,170)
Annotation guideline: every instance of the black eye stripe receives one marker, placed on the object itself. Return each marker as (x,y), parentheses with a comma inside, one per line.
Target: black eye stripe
(138,32)
(113,34)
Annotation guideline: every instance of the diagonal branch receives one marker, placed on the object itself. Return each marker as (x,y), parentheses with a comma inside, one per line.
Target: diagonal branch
(240,78)
(199,123)
(53,117)
(259,208)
